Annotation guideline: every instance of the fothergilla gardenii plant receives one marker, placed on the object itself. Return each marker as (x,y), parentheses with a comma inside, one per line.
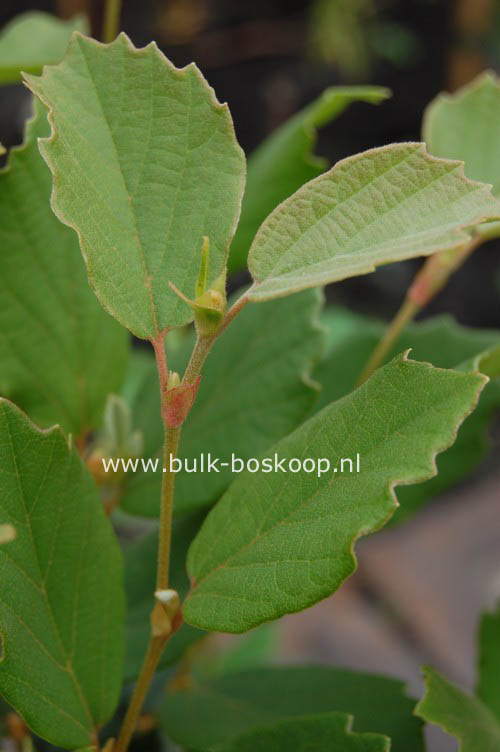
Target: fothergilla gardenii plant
(262,441)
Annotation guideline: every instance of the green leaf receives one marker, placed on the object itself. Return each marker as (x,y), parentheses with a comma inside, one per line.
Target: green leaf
(33,39)
(285,161)
(162,170)
(61,621)
(488,688)
(440,341)
(465,126)
(460,714)
(322,732)
(288,539)
(140,575)
(487,362)
(61,353)
(387,204)
(255,389)
(236,703)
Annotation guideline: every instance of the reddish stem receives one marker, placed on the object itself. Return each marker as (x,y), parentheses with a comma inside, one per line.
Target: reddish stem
(161,361)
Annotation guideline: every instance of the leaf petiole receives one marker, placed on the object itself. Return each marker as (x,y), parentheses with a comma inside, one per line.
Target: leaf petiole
(111,22)
(428,282)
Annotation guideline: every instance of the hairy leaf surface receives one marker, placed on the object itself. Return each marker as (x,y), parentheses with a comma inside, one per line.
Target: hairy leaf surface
(288,538)
(62,609)
(235,704)
(254,390)
(33,39)
(285,161)
(145,163)
(460,714)
(387,204)
(440,341)
(61,353)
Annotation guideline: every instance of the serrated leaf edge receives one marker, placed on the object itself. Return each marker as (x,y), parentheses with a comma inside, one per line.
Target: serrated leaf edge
(27,141)
(391,495)
(78,22)
(310,126)
(30,82)
(462,237)
(421,710)
(458,97)
(348,719)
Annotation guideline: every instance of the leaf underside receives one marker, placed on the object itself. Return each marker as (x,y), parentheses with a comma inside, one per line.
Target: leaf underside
(387,204)
(285,161)
(288,539)
(162,170)
(62,611)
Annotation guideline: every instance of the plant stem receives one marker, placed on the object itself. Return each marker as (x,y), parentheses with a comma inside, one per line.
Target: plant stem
(406,313)
(198,357)
(151,659)
(428,282)
(437,270)
(237,306)
(157,641)
(204,344)
(161,362)
(167,506)
(111,23)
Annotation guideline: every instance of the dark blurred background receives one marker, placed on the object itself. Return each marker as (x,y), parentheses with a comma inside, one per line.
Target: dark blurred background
(269,58)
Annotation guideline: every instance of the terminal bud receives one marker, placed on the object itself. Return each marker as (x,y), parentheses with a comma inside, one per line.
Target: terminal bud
(209,305)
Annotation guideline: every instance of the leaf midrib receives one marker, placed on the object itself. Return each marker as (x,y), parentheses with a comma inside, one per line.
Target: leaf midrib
(275,270)
(130,202)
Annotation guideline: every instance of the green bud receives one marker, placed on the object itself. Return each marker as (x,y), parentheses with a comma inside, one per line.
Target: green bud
(209,311)
(210,306)
(173,380)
